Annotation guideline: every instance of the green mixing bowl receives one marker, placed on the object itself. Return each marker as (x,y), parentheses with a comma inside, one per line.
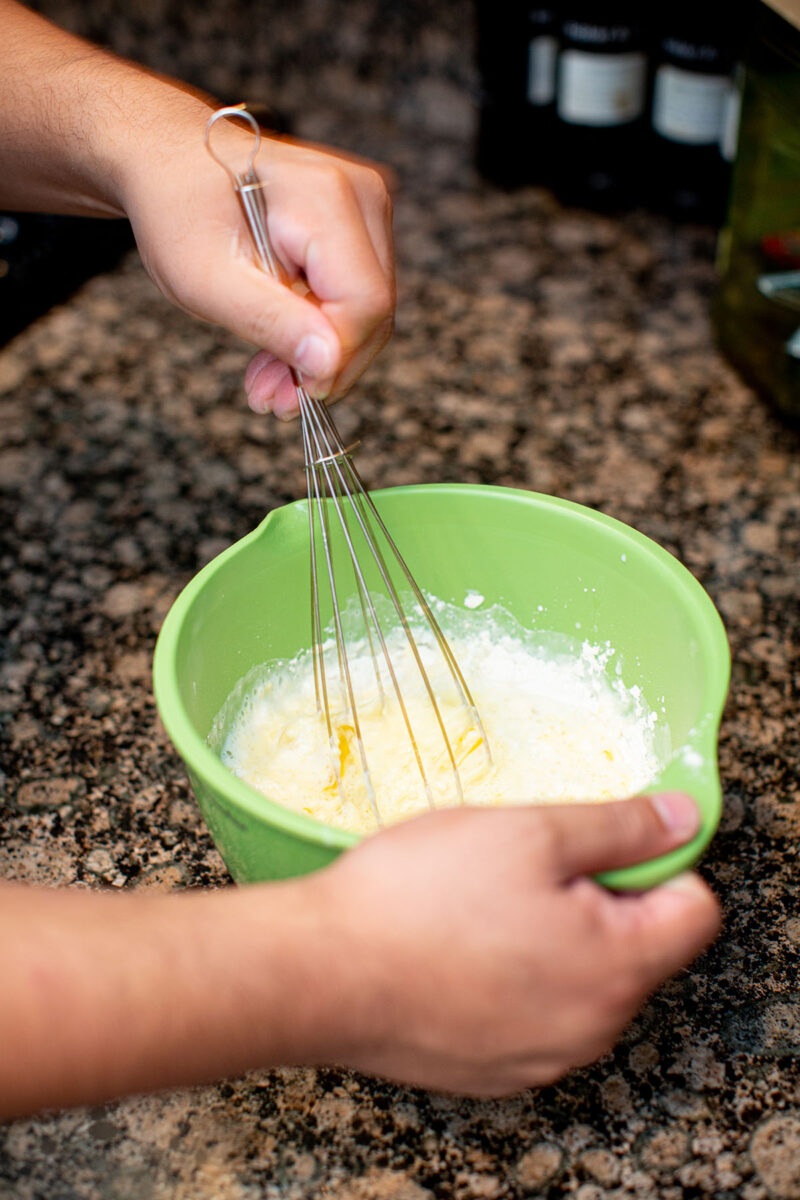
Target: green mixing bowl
(554,565)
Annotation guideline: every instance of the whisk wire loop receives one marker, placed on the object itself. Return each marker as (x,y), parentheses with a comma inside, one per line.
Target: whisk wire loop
(363,509)
(345,675)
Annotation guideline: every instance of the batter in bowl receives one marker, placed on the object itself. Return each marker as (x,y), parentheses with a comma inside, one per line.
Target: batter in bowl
(561,729)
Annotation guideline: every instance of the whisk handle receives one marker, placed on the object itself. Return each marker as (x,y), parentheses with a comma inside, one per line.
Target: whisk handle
(249,190)
(254,207)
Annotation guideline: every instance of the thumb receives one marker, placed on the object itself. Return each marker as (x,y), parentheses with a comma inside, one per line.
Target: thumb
(264,311)
(599,837)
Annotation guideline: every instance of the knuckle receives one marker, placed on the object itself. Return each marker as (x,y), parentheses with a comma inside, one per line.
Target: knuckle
(592,904)
(371,180)
(372,311)
(380,302)
(376,184)
(333,181)
(594,918)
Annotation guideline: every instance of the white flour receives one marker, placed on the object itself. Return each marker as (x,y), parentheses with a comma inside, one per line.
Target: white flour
(559,727)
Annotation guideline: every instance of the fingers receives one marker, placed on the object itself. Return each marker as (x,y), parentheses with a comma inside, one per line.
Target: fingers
(333,221)
(270,387)
(586,838)
(385,173)
(329,220)
(375,203)
(262,310)
(338,233)
(662,930)
(376,208)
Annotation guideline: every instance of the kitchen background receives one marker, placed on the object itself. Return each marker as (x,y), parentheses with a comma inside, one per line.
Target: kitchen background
(537,345)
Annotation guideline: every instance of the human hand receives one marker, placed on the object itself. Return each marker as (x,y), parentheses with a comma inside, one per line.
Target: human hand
(466,951)
(329,220)
(480,958)
(114,139)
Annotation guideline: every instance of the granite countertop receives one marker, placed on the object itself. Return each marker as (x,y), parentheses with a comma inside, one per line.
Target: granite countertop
(535,347)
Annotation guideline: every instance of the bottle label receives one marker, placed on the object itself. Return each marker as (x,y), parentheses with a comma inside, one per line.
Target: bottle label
(601,89)
(542,70)
(731,115)
(689,107)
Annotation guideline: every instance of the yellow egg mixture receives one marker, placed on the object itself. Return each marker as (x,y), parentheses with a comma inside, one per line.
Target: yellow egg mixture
(560,729)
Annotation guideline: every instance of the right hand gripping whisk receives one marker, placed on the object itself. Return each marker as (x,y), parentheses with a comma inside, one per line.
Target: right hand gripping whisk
(348,538)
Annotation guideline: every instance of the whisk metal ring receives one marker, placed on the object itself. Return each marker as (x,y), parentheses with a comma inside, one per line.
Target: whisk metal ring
(345,452)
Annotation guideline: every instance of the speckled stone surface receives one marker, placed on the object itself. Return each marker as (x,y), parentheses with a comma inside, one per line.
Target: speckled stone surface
(535,347)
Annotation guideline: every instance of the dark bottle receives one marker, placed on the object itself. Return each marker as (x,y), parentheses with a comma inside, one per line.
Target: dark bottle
(503,66)
(517,51)
(692,62)
(540,93)
(601,89)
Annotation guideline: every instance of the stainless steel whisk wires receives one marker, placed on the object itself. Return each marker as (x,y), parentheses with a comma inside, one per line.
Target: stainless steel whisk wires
(333,478)
(336,495)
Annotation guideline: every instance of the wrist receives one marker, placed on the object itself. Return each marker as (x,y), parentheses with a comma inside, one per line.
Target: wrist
(148,123)
(298,979)
(349,1005)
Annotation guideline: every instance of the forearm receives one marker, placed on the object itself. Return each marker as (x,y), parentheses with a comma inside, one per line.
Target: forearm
(74,117)
(105,994)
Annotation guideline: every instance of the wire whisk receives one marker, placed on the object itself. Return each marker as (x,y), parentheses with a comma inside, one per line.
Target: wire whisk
(353,557)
